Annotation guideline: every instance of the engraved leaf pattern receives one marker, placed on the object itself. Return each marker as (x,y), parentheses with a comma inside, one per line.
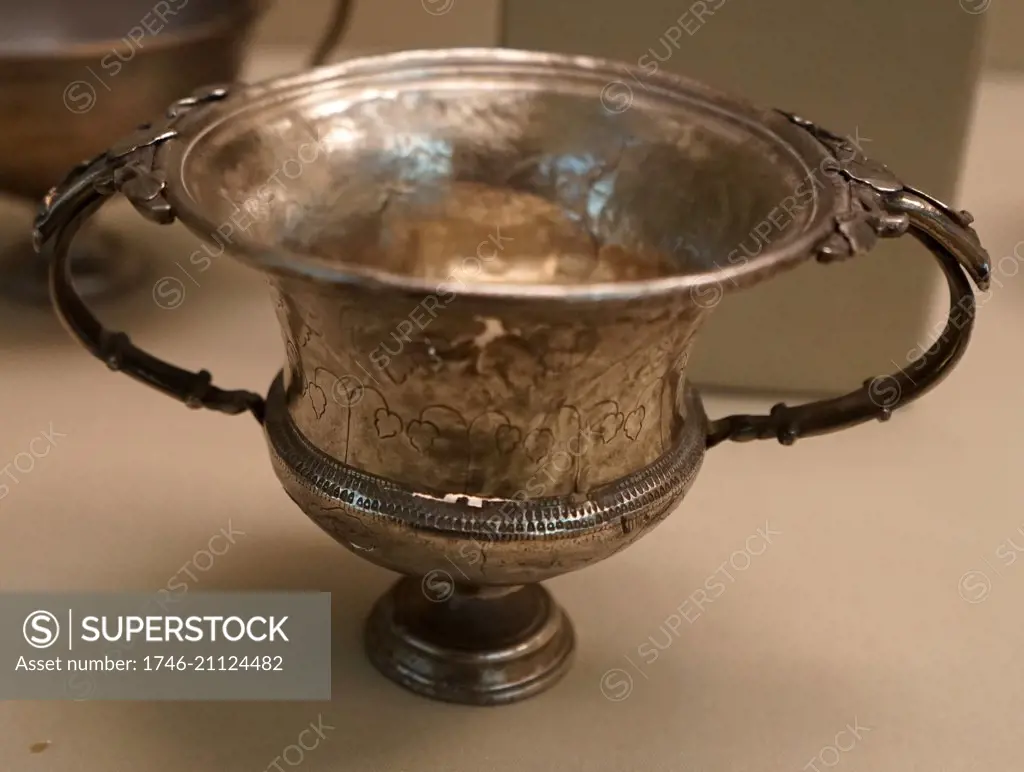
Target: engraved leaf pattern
(634,423)
(386,423)
(422,435)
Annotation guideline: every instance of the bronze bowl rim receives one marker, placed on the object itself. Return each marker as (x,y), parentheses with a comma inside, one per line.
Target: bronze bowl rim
(235,20)
(376,70)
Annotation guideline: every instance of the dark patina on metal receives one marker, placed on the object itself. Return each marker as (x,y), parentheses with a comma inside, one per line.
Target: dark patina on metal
(489,283)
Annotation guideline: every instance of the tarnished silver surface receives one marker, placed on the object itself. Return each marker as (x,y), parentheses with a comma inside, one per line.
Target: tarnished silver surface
(529,534)
(489,282)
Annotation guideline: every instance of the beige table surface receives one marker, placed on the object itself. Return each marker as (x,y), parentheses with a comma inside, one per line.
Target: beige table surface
(855,615)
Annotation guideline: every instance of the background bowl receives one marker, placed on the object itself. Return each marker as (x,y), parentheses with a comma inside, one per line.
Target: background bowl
(76,77)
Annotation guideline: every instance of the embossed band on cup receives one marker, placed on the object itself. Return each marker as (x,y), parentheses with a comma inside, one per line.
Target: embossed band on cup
(308,471)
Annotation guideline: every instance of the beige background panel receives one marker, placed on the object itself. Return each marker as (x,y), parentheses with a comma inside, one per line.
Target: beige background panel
(1004,49)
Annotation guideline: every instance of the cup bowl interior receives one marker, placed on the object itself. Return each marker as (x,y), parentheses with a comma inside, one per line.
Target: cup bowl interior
(495,172)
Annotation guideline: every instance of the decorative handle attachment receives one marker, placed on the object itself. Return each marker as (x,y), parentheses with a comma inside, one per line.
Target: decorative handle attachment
(882,207)
(127,168)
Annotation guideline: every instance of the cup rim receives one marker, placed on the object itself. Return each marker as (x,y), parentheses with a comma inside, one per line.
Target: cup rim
(376,69)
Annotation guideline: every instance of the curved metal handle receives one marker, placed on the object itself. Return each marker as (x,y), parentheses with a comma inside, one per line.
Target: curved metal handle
(336,28)
(893,209)
(332,35)
(64,211)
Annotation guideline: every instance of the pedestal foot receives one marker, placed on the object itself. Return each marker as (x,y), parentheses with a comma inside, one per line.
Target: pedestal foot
(470,645)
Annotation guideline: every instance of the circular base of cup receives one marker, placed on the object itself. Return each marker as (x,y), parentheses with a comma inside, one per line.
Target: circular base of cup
(100,264)
(469,645)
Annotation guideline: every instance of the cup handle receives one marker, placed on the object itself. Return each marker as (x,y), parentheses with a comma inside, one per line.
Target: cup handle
(892,209)
(65,209)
